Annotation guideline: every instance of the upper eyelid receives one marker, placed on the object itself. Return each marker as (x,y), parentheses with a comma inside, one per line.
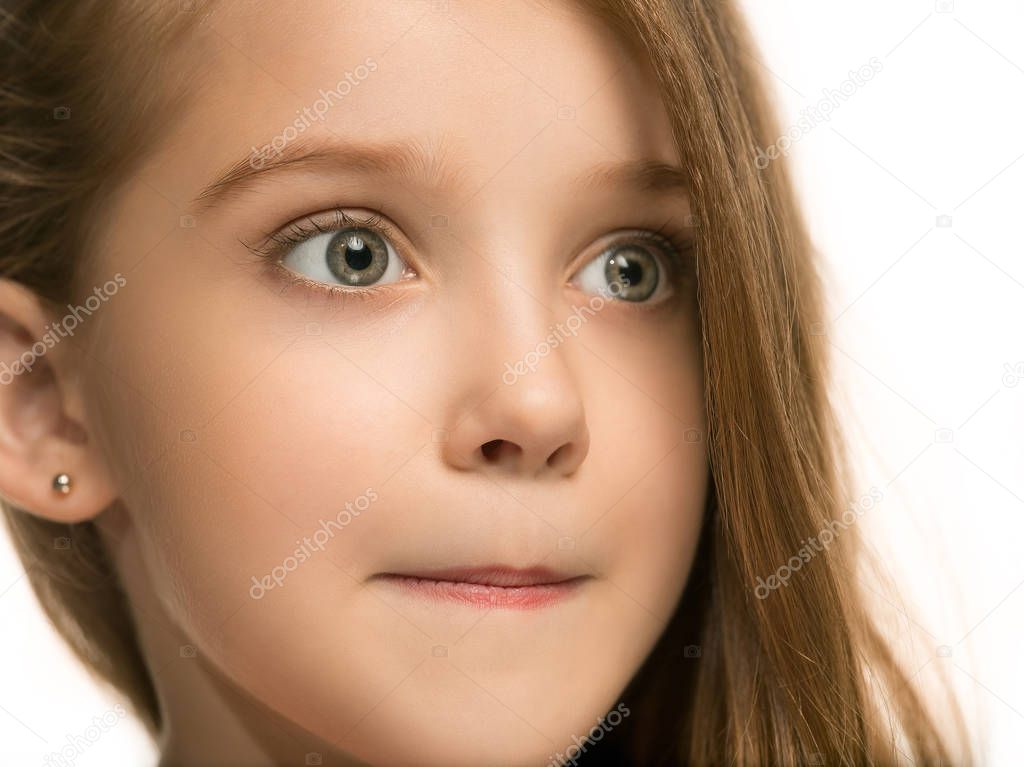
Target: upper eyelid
(678,243)
(307,227)
(374,222)
(675,245)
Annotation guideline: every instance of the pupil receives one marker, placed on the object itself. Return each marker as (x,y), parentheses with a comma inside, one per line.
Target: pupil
(357,255)
(631,272)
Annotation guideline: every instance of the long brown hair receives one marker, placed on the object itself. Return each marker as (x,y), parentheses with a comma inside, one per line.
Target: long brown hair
(793,678)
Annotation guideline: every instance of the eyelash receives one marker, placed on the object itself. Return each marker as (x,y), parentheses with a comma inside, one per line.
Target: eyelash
(675,245)
(275,246)
(298,232)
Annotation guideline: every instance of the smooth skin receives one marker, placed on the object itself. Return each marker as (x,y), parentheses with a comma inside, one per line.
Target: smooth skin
(218,408)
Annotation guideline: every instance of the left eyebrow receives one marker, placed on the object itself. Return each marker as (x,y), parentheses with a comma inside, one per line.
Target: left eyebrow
(641,175)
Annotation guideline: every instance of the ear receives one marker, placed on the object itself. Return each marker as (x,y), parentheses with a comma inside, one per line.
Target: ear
(42,421)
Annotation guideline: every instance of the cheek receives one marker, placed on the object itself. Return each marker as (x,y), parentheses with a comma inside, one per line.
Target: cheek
(265,457)
(239,425)
(648,457)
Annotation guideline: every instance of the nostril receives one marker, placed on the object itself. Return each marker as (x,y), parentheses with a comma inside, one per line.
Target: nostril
(561,455)
(499,449)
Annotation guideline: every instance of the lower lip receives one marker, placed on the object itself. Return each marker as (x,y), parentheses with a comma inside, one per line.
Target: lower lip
(482,595)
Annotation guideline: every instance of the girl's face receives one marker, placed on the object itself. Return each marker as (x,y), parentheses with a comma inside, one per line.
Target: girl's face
(405,293)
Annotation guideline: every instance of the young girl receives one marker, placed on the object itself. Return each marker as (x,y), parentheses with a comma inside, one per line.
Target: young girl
(430,383)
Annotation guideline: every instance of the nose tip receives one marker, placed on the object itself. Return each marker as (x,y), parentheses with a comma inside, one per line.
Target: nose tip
(531,432)
(510,455)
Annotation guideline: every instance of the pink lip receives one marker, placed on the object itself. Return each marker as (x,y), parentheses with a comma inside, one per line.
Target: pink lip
(497,586)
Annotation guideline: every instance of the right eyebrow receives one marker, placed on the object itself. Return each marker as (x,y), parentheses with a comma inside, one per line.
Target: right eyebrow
(405,160)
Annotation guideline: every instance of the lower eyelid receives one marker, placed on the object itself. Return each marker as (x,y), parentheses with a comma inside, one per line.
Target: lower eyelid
(289,278)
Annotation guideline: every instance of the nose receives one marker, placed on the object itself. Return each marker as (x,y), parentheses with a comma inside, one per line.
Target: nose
(532,426)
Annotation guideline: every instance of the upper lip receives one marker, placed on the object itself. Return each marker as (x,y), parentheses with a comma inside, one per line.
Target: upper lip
(492,575)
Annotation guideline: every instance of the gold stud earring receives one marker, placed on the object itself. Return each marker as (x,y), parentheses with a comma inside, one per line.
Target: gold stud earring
(62,484)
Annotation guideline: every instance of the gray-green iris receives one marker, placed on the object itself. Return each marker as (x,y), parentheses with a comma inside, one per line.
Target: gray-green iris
(357,257)
(632,273)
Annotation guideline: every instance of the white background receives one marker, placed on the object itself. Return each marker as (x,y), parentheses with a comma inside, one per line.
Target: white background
(927,320)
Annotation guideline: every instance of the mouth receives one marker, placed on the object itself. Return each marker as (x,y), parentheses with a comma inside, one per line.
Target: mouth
(497,586)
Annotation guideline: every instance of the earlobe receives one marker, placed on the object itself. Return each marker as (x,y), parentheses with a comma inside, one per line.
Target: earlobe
(62,484)
(49,466)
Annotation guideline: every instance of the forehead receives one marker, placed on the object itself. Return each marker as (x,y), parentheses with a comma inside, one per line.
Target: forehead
(501,92)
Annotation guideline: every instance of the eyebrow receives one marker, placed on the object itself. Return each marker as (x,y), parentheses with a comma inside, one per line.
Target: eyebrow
(408,160)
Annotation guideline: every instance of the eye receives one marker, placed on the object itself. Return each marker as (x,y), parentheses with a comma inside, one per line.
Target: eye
(348,252)
(634,270)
